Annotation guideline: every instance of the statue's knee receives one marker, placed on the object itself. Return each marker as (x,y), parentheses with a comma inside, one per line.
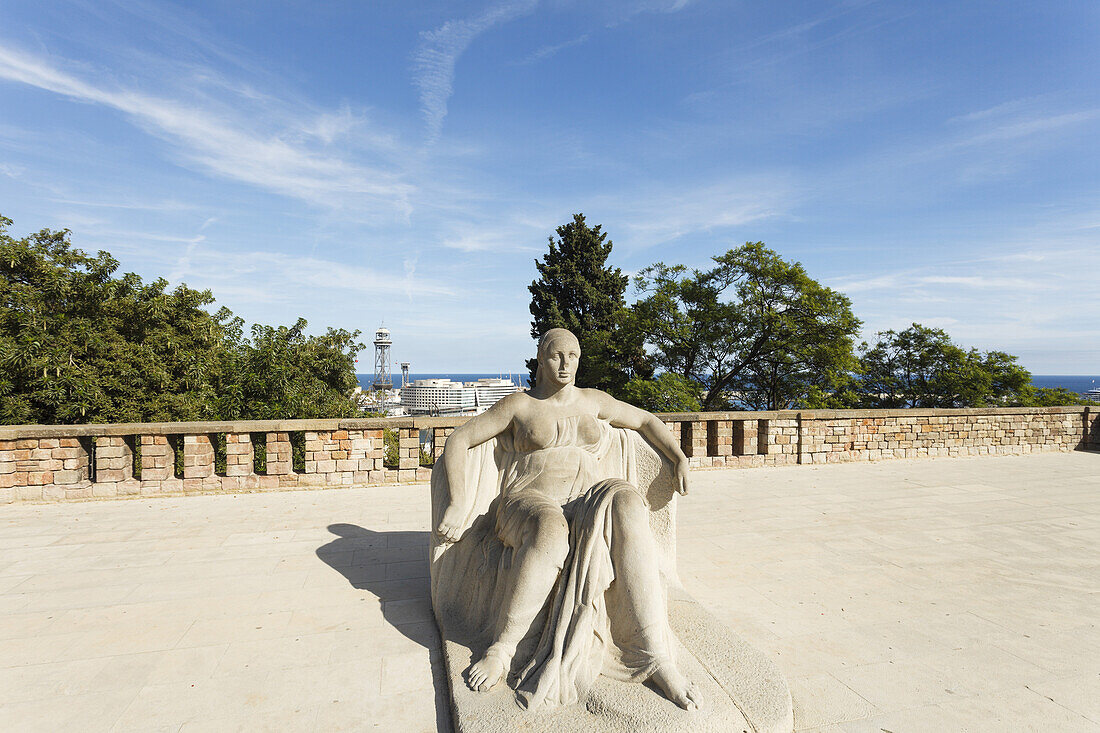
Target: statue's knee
(627,507)
(550,535)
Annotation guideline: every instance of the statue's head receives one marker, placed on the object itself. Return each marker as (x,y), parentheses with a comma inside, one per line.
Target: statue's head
(559,356)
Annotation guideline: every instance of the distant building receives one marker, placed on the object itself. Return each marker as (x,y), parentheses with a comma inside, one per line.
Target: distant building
(437,397)
(488,392)
(447,397)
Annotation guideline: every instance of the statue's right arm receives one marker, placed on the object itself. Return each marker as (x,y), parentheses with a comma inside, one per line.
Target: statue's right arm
(474,432)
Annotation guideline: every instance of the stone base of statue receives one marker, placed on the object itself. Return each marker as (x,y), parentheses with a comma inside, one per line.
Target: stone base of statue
(740,688)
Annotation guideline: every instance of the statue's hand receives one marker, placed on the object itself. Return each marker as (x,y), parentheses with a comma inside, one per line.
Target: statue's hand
(450,526)
(682,477)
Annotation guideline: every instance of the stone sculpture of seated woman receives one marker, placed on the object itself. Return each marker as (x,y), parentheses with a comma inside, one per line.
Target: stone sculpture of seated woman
(554,566)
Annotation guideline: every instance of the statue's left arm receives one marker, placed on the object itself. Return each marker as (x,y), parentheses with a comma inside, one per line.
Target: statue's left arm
(622,415)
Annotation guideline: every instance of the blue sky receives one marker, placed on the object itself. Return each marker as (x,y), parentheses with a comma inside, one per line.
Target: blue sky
(360,162)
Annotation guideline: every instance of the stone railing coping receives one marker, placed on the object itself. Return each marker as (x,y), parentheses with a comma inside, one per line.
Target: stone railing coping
(12,432)
(837,414)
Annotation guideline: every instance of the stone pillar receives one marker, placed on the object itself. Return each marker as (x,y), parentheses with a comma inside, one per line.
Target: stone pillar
(158,460)
(720,438)
(7,471)
(409,448)
(408,454)
(73,466)
(693,438)
(239,454)
(114,459)
(114,466)
(27,474)
(685,430)
(763,427)
(439,439)
(744,438)
(280,455)
(198,457)
(376,455)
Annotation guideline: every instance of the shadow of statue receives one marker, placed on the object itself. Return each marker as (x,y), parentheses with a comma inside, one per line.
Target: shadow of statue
(393,566)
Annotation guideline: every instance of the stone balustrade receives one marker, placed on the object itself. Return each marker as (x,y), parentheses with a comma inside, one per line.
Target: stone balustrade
(55,462)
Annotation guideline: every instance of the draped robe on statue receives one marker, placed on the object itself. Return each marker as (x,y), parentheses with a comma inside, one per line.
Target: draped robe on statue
(578,636)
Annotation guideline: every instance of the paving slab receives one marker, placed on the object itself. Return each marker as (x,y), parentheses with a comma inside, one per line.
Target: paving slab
(944,594)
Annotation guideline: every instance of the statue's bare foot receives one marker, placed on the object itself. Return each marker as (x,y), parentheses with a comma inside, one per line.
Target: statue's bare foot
(485,673)
(677,687)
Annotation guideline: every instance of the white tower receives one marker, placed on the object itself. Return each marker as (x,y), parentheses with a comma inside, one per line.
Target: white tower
(405,373)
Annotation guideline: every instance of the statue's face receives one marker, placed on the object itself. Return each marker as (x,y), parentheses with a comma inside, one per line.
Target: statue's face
(559,361)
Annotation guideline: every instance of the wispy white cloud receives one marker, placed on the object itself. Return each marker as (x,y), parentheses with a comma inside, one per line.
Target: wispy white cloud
(293,277)
(1012,106)
(228,147)
(983,282)
(623,12)
(328,126)
(1024,295)
(1021,257)
(435,59)
(183,264)
(656,217)
(1029,126)
(546,52)
(409,263)
(810,35)
(864,284)
(11,171)
(136,205)
(902,282)
(483,239)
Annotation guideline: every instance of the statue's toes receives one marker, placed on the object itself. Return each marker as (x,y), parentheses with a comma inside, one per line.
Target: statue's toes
(692,699)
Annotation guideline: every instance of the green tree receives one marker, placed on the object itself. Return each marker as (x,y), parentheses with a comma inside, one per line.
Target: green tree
(79,344)
(923,367)
(280,371)
(754,330)
(667,393)
(1053,397)
(577,289)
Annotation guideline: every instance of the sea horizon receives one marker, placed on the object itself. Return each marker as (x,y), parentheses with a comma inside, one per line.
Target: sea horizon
(1080,383)
(518,377)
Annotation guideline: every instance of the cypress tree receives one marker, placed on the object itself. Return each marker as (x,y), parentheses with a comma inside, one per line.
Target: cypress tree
(577,289)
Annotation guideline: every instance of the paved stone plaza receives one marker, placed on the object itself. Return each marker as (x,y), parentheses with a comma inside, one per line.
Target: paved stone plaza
(947,594)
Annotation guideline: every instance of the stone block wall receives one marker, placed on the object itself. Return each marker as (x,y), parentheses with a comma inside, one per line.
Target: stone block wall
(46,468)
(344,458)
(859,438)
(51,463)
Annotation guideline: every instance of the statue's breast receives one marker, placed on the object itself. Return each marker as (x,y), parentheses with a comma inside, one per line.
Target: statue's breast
(536,435)
(575,431)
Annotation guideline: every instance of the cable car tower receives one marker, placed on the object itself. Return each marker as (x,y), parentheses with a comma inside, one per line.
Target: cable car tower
(383,374)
